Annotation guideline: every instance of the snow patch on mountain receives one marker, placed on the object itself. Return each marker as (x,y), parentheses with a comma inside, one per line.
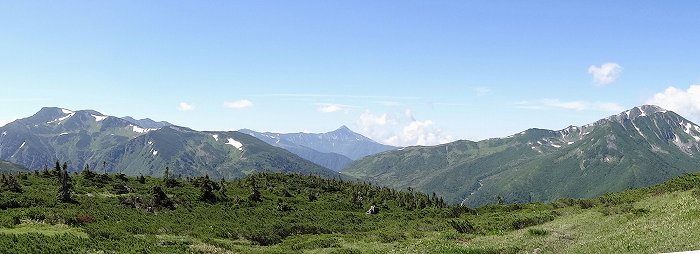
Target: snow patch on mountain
(99,118)
(139,129)
(216,137)
(235,144)
(62,118)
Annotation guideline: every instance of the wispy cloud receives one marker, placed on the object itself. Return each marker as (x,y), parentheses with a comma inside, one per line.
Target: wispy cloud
(239,104)
(332,107)
(184,106)
(684,102)
(606,74)
(570,105)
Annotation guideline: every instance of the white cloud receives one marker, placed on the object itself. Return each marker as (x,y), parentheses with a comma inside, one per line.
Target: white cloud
(369,120)
(185,106)
(409,115)
(605,74)
(239,104)
(401,131)
(684,102)
(571,105)
(332,108)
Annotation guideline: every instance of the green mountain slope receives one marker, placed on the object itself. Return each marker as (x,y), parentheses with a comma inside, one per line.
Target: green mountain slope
(9,167)
(639,147)
(194,153)
(113,144)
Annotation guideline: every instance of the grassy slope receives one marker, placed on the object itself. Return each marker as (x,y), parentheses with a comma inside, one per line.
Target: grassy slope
(661,218)
(8,167)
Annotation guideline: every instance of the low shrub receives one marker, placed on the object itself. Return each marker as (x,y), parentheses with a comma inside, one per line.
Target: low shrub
(537,232)
(463,227)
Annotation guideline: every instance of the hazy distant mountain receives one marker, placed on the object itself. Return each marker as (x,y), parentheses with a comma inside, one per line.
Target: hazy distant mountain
(639,147)
(147,122)
(89,137)
(334,150)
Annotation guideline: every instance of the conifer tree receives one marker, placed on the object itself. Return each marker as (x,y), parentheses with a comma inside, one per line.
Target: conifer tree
(64,190)
(222,190)
(160,199)
(207,189)
(12,185)
(57,169)
(168,179)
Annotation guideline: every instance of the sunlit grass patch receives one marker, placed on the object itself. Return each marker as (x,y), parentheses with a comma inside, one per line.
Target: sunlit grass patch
(28,226)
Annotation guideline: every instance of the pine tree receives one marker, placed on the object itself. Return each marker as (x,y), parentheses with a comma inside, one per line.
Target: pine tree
(207,189)
(222,190)
(168,179)
(64,191)
(87,174)
(160,199)
(56,170)
(12,185)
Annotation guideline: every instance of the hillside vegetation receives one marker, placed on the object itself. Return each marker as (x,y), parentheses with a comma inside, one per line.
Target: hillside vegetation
(291,213)
(637,148)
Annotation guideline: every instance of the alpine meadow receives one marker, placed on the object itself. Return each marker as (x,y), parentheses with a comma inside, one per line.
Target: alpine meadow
(349,127)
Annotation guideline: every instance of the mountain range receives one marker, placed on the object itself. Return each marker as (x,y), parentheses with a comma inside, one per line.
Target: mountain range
(334,150)
(638,147)
(113,144)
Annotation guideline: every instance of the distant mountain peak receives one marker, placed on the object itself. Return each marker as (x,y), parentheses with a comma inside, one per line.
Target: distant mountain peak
(147,122)
(634,113)
(343,128)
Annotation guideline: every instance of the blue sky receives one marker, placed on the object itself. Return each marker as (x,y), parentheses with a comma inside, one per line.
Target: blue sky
(401,72)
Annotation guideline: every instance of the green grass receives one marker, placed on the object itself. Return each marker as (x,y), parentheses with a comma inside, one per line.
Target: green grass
(327,216)
(43,228)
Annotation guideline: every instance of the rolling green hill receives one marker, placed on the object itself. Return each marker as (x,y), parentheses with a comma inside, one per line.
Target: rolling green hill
(639,147)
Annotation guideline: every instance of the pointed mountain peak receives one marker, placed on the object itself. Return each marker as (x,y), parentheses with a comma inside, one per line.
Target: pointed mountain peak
(343,129)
